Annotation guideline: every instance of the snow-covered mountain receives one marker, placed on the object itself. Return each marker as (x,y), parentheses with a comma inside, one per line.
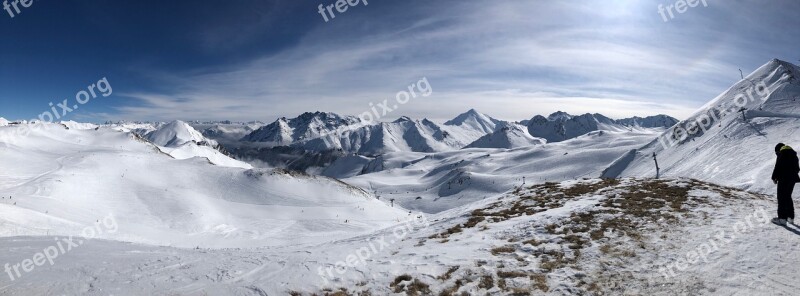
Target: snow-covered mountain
(308,126)
(657,121)
(313,141)
(561,126)
(474,120)
(509,137)
(175,134)
(180,140)
(4,122)
(325,131)
(718,144)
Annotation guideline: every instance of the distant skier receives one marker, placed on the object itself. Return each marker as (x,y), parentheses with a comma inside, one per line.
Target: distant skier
(785,175)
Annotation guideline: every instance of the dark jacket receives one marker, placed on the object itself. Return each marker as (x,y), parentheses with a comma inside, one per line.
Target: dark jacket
(786,167)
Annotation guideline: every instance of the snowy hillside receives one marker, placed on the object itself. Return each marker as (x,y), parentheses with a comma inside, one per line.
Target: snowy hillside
(591,237)
(435,182)
(3,122)
(561,126)
(58,181)
(508,137)
(181,141)
(175,134)
(717,144)
(79,125)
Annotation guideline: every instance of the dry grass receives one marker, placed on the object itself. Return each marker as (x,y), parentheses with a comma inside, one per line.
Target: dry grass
(540,282)
(414,288)
(447,275)
(616,228)
(503,250)
(486,282)
(511,274)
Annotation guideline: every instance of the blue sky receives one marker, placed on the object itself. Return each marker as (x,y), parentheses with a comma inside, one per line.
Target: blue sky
(259,60)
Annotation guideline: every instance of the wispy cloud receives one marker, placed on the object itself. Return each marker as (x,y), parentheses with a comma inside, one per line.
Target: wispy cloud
(511,59)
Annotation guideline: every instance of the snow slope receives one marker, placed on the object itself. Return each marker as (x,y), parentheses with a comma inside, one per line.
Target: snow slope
(190,150)
(435,182)
(63,180)
(175,134)
(79,125)
(572,238)
(182,141)
(508,137)
(728,149)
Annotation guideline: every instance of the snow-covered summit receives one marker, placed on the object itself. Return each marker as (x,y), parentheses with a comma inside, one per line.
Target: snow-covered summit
(509,137)
(559,115)
(181,141)
(307,126)
(175,134)
(730,140)
(477,121)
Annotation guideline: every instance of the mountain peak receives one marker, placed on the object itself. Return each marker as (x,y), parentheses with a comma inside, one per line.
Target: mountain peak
(508,137)
(403,119)
(477,121)
(559,115)
(174,134)
(471,113)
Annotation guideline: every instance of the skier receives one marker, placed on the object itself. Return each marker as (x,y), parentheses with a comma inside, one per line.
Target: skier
(785,175)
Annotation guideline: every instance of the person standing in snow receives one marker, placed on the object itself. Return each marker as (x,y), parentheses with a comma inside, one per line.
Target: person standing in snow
(785,175)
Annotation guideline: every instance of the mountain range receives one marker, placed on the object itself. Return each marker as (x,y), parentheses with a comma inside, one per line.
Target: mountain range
(320,131)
